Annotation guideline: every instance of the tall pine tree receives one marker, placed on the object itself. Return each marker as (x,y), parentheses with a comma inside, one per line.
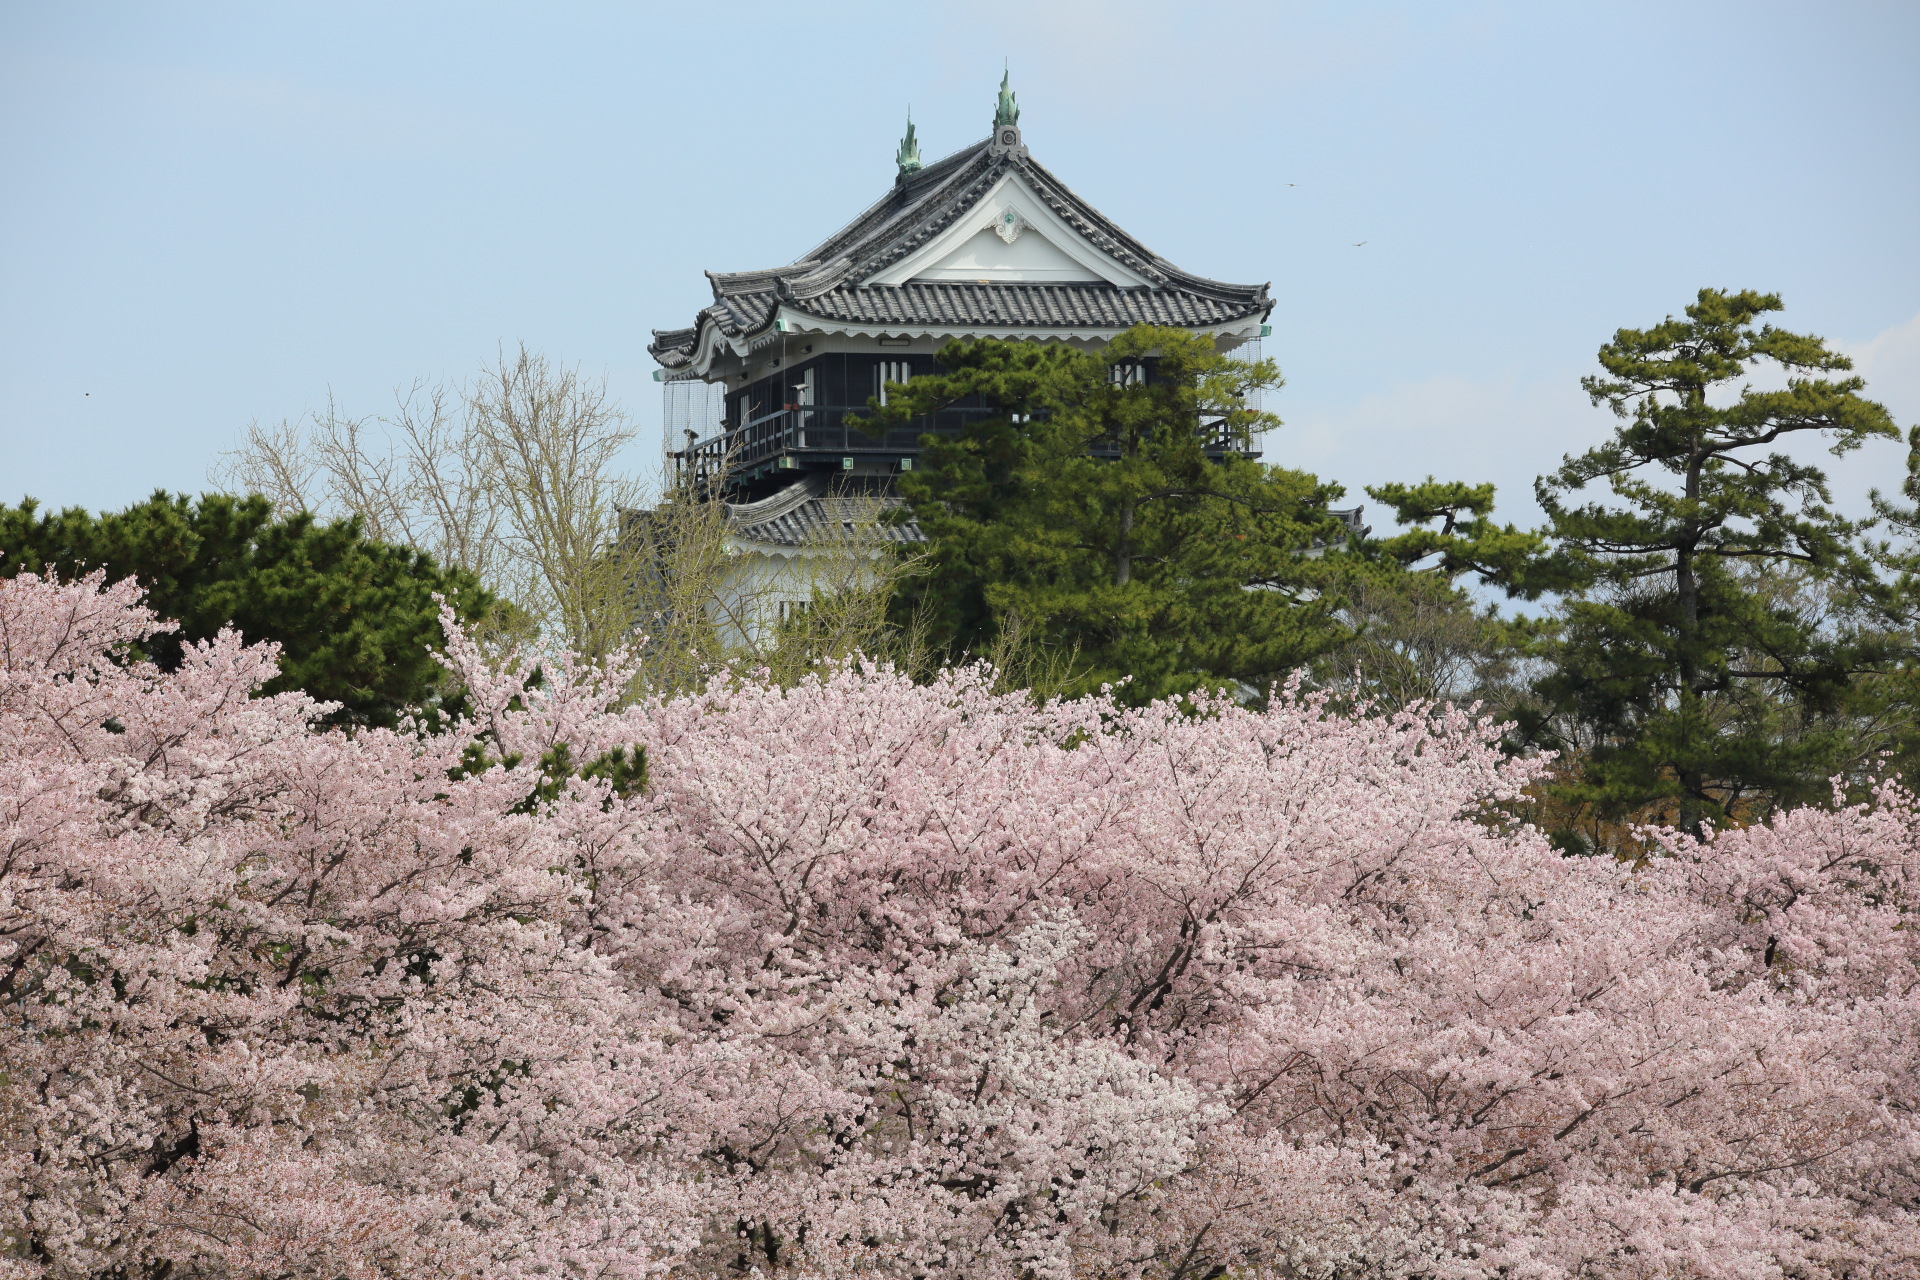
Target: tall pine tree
(1700,665)
(1109,502)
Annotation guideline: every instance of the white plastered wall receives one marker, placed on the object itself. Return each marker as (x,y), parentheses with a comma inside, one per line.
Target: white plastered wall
(1011,206)
(761,579)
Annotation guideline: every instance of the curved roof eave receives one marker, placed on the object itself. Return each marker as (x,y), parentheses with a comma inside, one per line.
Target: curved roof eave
(921,205)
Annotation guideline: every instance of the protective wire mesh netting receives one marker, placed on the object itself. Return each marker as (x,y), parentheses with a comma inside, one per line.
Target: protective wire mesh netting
(690,410)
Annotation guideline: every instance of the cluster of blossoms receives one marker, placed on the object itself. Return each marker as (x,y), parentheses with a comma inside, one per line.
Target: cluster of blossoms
(869,978)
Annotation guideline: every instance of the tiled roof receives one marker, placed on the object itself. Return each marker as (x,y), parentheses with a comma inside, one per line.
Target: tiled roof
(1025,305)
(808,514)
(831,282)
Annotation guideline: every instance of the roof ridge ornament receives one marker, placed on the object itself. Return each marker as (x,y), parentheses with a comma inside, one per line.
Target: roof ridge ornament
(907,158)
(1006,122)
(1007,111)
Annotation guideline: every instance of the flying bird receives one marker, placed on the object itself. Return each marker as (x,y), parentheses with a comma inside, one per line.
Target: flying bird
(1358,245)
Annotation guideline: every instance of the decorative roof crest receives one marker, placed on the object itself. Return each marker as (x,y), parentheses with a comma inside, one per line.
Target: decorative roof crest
(1007,111)
(908,156)
(1006,123)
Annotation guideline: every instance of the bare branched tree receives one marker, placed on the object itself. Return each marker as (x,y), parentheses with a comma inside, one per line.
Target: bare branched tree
(415,477)
(1419,638)
(437,494)
(514,477)
(707,598)
(677,551)
(548,445)
(517,477)
(276,461)
(1023,658)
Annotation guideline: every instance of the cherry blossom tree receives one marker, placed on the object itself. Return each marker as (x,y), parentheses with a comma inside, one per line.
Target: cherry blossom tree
(865,977)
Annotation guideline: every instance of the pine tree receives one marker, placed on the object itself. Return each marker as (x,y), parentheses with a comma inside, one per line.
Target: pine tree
(1698,666)
(355,618)
(1116,517)
(1418,634)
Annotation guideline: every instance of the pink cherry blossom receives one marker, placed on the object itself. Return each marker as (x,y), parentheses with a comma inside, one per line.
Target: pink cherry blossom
(875,978)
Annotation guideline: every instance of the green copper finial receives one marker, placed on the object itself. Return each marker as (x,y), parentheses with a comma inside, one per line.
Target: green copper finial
(1008,112)
(908,156)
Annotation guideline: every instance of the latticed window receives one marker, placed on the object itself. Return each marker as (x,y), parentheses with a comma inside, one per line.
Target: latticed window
(890,371)
(1127,373)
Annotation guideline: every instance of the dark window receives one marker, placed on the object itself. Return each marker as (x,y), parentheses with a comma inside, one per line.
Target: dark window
(890,371)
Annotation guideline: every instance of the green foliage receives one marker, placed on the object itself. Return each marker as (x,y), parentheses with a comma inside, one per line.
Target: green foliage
(355,619)
(1449,529)
(1896,595)
(1710,644)
(623,770)
(1418,637)
(1121,522)
(1892,596)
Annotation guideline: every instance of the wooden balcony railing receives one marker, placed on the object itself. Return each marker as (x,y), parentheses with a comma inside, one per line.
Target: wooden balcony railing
(823,429)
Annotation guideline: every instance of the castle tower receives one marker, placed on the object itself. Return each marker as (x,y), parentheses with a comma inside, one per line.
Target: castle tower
(984,243)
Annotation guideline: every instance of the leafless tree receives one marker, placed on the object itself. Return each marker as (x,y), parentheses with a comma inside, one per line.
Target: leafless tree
(546,444)
(516,476)
(1419,638)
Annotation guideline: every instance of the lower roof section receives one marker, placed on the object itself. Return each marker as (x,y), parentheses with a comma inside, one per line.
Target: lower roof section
(1026,312)
(814,513)
(1061,306)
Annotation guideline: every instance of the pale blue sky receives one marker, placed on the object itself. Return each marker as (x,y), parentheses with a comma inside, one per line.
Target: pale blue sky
(212,213)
